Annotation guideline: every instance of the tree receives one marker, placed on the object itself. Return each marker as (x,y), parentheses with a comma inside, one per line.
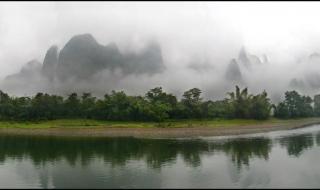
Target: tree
(22,108)
(281,111)
(306,108)
(191,101)
(164,105)
(155,105)
(156,94)
(4,97)
(72,105)
(294,106)
(6,108)
(316,100)
(239,103)
(217,109)
(293,101)
(244,105)
(260,106)
(116,106)
(87,105)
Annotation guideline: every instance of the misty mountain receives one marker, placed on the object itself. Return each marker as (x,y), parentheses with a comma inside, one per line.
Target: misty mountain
(309,79)
(308,82)
(201,66)
(29,70)
(243,58)
(313,79)
(83,56)
(81,64)
(148,61)
(84,65)
(246,66)
(27,81)
(245,61)
(233,72)
(312,76)
(50,62)
(249,60)
(297,83)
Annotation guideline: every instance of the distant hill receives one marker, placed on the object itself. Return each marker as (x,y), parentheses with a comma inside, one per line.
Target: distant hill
(50,62)
(233,72)
(29,70)
(83,56)
(243,66)
(79,65)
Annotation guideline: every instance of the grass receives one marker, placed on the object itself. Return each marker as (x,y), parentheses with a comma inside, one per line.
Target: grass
(88,123)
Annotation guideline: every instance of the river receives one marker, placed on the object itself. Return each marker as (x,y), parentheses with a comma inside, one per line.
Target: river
(279,159)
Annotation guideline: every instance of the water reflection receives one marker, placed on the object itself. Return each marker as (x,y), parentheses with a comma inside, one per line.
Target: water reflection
(295,145)
(118,151)
(241,150)
(125,162)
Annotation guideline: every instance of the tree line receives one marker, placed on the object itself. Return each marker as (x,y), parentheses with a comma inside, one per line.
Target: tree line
(156,105)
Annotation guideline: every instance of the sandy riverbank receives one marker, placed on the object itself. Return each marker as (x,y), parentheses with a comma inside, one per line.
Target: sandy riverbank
(154,132)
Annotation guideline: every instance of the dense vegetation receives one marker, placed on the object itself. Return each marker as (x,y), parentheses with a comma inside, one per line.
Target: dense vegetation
(297,106)
(155,105)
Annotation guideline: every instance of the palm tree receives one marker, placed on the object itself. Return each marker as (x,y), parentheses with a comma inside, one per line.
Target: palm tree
(239,96)
(240,102)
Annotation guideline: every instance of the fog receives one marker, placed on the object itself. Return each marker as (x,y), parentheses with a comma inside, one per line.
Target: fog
(198,40)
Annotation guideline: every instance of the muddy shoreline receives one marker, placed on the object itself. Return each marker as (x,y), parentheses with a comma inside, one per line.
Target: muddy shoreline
(185,132)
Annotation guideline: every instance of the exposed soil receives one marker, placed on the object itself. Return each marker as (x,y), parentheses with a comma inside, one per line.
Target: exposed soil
(156,132)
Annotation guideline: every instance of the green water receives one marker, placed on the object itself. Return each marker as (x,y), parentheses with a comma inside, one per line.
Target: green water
(283,159)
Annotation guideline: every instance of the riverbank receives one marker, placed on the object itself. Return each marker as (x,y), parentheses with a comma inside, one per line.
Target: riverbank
(169,129)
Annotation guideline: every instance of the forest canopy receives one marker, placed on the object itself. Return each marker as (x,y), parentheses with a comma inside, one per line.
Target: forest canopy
(156,105)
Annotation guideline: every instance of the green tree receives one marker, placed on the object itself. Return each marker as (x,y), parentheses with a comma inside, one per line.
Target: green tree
(281,110)
(240,103)
(116,106)
(306,108)
(217,109)
(87,105)
(316,100)
(163,104)
(6,107)
(192,103)
(260,106)
(294,106)
(293,101)
(72,105)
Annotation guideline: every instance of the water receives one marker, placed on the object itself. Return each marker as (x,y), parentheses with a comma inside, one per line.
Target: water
(282,159)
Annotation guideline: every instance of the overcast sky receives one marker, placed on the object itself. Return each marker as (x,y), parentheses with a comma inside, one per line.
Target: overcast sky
(28,29)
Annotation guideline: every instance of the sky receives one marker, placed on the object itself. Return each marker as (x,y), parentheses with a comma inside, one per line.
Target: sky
(285,31)
(28,29)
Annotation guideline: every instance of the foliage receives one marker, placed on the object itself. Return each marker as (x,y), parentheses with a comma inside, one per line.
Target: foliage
(156,105)
(316,100)
(260,106)
(191,103)
(244,105)
(294,106)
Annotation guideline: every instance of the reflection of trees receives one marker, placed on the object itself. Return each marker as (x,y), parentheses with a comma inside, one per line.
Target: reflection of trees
(160,152)
(318,139)
(241,150)
(117,151)
(296,144)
